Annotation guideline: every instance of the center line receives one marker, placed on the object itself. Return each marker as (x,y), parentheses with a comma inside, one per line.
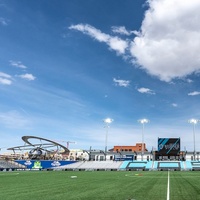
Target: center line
(168,187)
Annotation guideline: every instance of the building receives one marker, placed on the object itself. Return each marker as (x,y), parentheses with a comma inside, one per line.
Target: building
(136,148)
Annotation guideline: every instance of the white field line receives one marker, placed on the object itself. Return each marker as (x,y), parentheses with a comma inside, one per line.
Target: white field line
(8,174)
(168,188)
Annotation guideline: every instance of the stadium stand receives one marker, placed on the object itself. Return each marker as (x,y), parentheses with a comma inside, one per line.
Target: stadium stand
(137,165)
(155,165)
(169,165)
(93,165)
(103,165)
(72,166)
(132,165)
(188,165)
(10,165)
(195,165)
(124,165)
(182,165)
(149,165)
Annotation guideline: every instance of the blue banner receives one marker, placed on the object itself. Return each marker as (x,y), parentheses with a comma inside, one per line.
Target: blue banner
(43,164)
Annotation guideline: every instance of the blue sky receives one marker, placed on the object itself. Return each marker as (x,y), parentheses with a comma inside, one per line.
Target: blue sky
(67,65)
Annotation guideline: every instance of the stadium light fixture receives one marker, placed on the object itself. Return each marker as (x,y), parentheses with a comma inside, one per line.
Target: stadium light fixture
(107,121)
(194,122)
(143,121)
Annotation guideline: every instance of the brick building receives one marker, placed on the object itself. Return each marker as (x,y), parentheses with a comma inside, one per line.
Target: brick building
(136,148)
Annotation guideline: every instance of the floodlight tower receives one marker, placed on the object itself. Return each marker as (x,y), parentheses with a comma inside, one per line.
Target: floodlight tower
(107,121)
(194,122)
(143,121)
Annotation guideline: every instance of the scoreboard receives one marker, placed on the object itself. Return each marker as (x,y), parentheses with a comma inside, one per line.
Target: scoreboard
(168,146)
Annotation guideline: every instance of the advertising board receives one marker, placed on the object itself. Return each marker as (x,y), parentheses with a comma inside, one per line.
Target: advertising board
(168,146)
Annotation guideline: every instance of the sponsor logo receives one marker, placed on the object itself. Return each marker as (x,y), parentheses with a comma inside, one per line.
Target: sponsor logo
(28,162)
(37,165)
(55,164)
(169,146)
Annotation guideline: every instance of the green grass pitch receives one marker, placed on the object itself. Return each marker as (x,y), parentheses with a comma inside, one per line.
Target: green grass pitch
(99,185)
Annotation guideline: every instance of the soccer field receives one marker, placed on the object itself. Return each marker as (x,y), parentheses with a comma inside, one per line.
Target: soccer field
(112,185)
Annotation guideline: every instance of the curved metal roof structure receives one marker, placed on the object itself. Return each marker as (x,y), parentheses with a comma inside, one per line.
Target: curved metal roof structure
(42,143)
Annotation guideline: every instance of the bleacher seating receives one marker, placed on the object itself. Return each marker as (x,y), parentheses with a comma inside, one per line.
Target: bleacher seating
(116,165)
(155,165)
(75,165)
(182,165)
(195,165)
(124,165)
(9,164)
(130,165)
(188,165)
(93,165)
(149,165)
(166,165)
(136,164)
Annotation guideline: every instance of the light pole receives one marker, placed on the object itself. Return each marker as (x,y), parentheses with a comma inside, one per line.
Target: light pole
(194,122)
(143,121)
(107,121)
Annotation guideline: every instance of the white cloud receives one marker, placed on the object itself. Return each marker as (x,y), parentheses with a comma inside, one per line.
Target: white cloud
(174,105)
(3,21)
(194,93)
(189,80)
(117,44)
(28,77)
(17,64)
(2,74)
(145,90)
(91,31)
(168,44)
(13,119)
(122,83)
(5,79)
(121,30)
(114,43)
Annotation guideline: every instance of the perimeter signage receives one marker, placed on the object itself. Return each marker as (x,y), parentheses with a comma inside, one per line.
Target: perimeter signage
(168,146)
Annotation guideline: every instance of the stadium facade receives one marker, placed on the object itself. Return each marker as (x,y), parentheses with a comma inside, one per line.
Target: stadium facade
(44,154)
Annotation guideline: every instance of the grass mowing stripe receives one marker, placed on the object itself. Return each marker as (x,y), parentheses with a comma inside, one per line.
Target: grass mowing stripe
(185,185)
